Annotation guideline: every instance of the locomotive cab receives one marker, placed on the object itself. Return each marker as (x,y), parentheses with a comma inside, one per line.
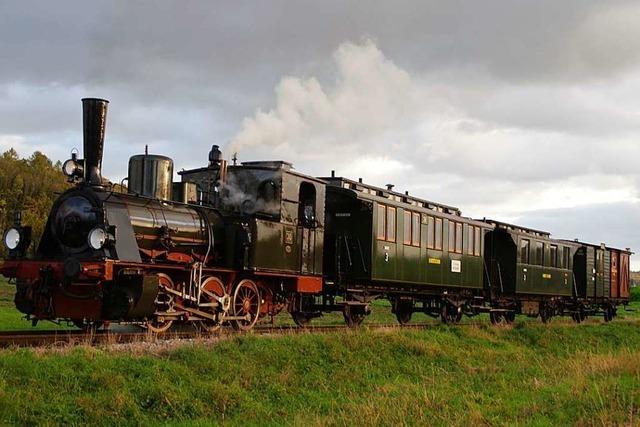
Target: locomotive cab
(281,211)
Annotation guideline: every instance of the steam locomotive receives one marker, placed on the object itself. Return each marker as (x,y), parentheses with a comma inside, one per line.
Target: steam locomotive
(233,244)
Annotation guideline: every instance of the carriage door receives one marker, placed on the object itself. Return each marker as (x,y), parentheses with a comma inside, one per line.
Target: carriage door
(307,226)
(614,274)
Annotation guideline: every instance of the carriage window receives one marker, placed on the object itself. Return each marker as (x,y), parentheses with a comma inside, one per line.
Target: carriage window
(415,229)
(382,216)
(469,235)
(452,236)
(431,232)
(407,228)
(438,234)
(554,256)
(600,261)
(524,251)
(391,224)
(477,241)
(539,253)
(459,238)
(566,258)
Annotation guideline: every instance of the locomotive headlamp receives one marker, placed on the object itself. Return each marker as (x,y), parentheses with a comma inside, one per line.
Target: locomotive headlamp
(97,238)
(73,168)
(12,239)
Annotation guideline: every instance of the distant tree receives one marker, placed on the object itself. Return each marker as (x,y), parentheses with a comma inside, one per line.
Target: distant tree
(30,185)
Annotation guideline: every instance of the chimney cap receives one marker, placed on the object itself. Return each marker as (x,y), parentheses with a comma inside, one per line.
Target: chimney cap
(390,187)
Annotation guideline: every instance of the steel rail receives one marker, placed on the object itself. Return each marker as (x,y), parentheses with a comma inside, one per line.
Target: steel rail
(65,338)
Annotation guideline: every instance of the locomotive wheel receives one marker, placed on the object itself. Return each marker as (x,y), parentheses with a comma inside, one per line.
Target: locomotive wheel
(216,287)
(156,324)
(353,317)
(246,301)
(450,314)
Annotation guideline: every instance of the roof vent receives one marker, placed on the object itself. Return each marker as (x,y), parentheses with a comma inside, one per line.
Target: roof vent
(390,187)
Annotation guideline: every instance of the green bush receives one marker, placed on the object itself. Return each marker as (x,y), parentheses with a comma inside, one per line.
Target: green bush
(635,293)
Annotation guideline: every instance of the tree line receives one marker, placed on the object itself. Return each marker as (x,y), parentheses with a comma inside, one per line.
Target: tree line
(30,185)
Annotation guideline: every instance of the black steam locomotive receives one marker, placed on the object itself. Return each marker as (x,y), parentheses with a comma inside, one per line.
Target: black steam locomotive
(236,243)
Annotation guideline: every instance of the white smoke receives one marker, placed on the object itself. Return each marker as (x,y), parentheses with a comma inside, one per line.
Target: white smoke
(370,98)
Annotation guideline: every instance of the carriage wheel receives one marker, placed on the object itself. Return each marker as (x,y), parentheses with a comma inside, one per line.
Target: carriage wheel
(545,314)
(501,318)
(246,302)
(301,319)
(578,316)
(404,311)
(450,314)
(299,313)
(164,302)
(353,316)
(214,286)
(609,313)
(88,326)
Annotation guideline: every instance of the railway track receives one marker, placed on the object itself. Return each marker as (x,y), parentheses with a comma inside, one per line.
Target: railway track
(62,338)
(66,338)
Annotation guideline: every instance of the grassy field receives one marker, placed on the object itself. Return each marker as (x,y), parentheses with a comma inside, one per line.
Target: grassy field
(528,374)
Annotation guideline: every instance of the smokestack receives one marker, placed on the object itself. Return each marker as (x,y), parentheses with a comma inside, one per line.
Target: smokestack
(94,120)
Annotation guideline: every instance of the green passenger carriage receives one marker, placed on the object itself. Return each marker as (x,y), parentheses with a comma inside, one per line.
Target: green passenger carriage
(421,255)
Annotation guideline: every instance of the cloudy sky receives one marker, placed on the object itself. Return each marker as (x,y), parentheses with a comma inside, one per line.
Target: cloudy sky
(524,111)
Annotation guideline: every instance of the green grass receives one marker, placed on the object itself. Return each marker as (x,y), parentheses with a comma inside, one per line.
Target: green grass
(529,374)
(10,318)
